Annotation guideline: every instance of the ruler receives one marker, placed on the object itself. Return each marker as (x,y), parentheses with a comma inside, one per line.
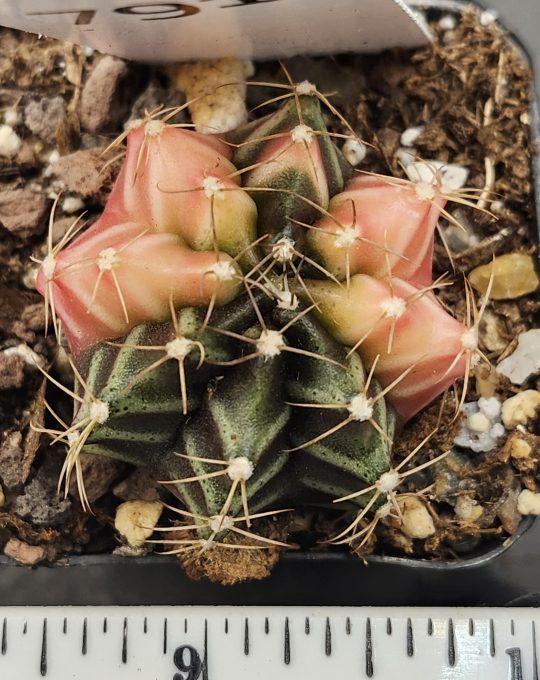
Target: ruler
(268,643)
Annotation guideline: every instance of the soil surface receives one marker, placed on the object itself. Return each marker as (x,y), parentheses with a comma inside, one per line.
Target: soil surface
(62,105)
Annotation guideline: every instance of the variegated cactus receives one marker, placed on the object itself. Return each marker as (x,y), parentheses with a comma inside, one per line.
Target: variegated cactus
(254,321)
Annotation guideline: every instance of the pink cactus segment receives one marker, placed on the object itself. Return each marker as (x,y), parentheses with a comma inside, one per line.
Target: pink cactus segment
(180,181)
(425,336)
(297,149)
(399,217)
(127,270)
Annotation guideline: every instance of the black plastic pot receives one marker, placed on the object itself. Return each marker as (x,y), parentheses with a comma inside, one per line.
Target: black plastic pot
(504,574)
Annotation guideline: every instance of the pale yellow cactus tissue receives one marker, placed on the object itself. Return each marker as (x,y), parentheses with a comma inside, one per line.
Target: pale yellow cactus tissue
(216,90)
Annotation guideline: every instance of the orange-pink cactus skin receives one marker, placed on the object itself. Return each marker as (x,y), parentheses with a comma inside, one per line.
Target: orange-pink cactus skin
(423,336)
(176,209)
(377,223)
(108,281)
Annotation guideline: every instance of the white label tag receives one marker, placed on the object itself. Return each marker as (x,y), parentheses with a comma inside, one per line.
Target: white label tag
(202,29)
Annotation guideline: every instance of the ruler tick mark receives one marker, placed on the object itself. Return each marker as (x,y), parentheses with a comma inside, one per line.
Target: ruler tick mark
(328,638)
(451,644)
(306,626)
(266,625)
(430,626)
(516,669)
(287,643)
(84,646)
(226,626)
(491,637)
(165,635)
(369,650)
(535,652)
(512,627)
(205,652)
(4,636)
(64,626)
(389,626)
(124,640)
(348,626)
(43,659)
(185,625)
(246,637)
(104,624)
(25,628)
(410,638)
(145,625)
(471,627)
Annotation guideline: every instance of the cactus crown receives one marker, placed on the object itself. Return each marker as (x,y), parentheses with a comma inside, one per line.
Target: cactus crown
(253,319)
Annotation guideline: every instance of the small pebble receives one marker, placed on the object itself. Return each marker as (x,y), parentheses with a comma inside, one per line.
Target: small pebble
(72,204)
(44,116)
(10,142)
(519,448)
(449,175)
(25,353)
(488,16)
(101,106)
(496,206)
(478,422)
(525,361)
(529,503)
(521,408)
(490,407)
(473,433)
(447,22)
(135,520)
(354,151)
(410,135)
(417,522)
(12,117)
(514,275)
(30,555)
(2,497)
(406,156)
(467,509)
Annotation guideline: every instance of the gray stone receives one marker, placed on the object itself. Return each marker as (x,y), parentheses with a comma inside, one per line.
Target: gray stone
(43,116)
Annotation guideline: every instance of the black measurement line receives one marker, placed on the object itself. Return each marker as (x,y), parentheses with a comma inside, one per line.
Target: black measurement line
(185,625)
(64,626)
(165,635)
(287,643)
(389,626)
(246,637)
(369,650)
(4,636)
(451,644)
(348,626)
(84,646)
(266,625)
(471,627)
(43,659)
(516,668)
(430,626)
(226,626)
(25,628)
(124,640)
(410,638)
(306,626)
(327,638)
(512,627)
(535,652)
(145,625)
(491,637)
(104,624)
(205,652)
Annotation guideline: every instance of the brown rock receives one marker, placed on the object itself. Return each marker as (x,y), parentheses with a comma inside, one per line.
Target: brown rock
(22,212)
(139,485)
(24,553)
(11,460)
(102,106)
(98,473)
(11,372)
(82,173)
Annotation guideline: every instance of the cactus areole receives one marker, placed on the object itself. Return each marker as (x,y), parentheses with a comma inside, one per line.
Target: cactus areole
(253,320)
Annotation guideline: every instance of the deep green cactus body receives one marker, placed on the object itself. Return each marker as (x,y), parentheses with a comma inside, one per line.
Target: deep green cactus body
(356,455)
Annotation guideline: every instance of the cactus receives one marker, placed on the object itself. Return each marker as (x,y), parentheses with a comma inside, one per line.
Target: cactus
(254,324)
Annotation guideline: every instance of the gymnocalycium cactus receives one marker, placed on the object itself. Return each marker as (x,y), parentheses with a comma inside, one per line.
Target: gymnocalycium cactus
(253,320)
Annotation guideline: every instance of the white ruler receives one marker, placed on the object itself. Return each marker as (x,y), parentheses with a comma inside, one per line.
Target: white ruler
(268,643)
